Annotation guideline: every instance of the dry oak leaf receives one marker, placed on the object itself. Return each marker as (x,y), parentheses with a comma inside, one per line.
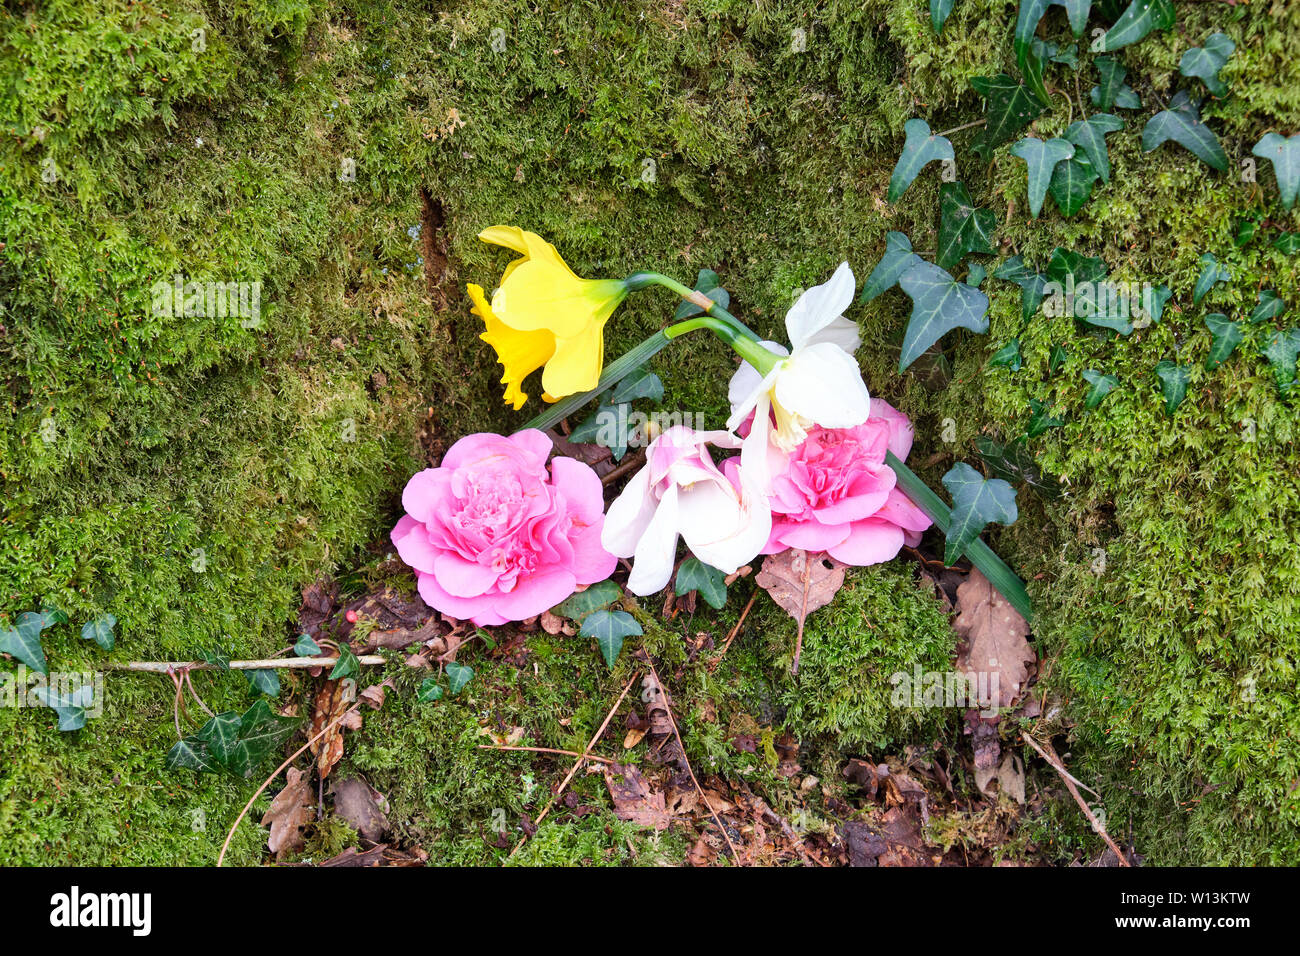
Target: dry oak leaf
(291,810)
(995,634)
(633,799)
(800,583)
(356,802)
(331,703)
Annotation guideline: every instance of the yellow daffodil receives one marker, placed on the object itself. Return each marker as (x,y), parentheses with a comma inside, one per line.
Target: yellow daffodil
(545,315)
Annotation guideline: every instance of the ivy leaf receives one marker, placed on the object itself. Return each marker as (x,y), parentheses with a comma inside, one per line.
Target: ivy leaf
(707,282)
(939,11)
(1288,243)
(429,690)
(265,681)
(220,734)
(609,628)
(579,605)
(976,501)
(1011,107)
(1112,91)
(1154,306)
(1281,350)
(347,664)
(1031,284)
(642,383)
(1246,230)
(707,581)
(1101,386)
(1173,383)
(71,708)
(939,305)
(1034,61)
(1041,159)
(1270,307)
(1141,17)
(975,274)
(1078,279)
(1284,153)
(1090,136)
(1057,358)
(1205,62)
(189,754)
(1182,124)
(919,148)
(1013,462)
(216,657)
(100,630)
(23,641)
(962,228)
(1071,184)
(609,426)
(898,258)
(305,646)
(1211,272)
(1077,11)
(458,675)
(1008,356)
(1227,336)
(261,733)
(1041,419)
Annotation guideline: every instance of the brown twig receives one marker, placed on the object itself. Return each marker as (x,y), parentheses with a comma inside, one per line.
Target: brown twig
(633,462)
(735,856)
(547,750)
(1056,765)
(582,757)
(734,631)
(295,663)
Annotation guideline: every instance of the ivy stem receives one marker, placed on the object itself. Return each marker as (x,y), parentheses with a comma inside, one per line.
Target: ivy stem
(639,280)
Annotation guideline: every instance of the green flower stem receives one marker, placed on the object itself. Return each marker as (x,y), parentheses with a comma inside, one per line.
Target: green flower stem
(639,280)
(981,555)
(614,373)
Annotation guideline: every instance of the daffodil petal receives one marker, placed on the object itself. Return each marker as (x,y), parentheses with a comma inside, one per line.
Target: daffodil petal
(819,306)
(575,366)
(520,353)
(823,384)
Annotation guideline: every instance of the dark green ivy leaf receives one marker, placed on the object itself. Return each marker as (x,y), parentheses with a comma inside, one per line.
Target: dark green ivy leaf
(1030,281)
(1281,349)
(1057,357)
(1041,418)
(1011,107)
(70,708)
(1211,272)
(1008,356)
(1182,124)
(1071,184)
(347,664)
(962,228)
(920,147)
(642,383)
(264,681)
(23,641)
(898,258)
(458,675)
(1270,306)
(100,630)
(220,734)
(609,426)
(579,605)
(189,754)
(1246,230)
(1173,383)
(429,690)
(976,501)
(216,657)
(1288,243)
(1100,384)
(609,628)
(305,646)
(1141,17)
(1090,136)
(1205,62)
(939,305)
(707,581)
(1227,336)
(1013,462)
(1040,160)
(1284,153)
(939,11)
(1112,91)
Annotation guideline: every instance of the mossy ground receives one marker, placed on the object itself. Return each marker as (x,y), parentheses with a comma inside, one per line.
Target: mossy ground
(200,472)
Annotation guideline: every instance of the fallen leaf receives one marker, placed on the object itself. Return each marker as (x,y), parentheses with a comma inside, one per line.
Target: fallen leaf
(291,810)
(995,645)
(331,702)
(633,799)
(375,695)
(800,583)
(633,738)
(360,806)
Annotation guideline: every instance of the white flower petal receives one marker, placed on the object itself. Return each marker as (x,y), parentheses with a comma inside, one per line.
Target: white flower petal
(628,516)
(754,464)
(746,380)
(841,332)
(819,306)
(822,383)
(748,522)
(656,552)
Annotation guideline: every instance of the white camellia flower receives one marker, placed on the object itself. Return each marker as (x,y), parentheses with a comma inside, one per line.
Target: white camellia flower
(817,382)
(681,492)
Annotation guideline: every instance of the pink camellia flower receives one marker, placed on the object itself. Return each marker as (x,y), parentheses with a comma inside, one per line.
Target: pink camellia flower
(493,537)
(834,493)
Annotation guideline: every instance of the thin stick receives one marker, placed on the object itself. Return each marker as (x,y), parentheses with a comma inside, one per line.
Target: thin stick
(734,631)
(547,750)
(582,757)
(803,615)
(1055,762)
(190,684)
(623,469)
(958,129)
(681,746)
(296,663)
(275,773)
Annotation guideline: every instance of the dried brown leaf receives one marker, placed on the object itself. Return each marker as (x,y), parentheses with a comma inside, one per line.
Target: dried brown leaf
(291,810)
(995,644)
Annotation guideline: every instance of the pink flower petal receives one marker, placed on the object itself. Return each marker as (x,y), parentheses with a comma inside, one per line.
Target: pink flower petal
(535,594)
(477,609)
(870,541)
(809,535)
(413,546)
(461,578)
